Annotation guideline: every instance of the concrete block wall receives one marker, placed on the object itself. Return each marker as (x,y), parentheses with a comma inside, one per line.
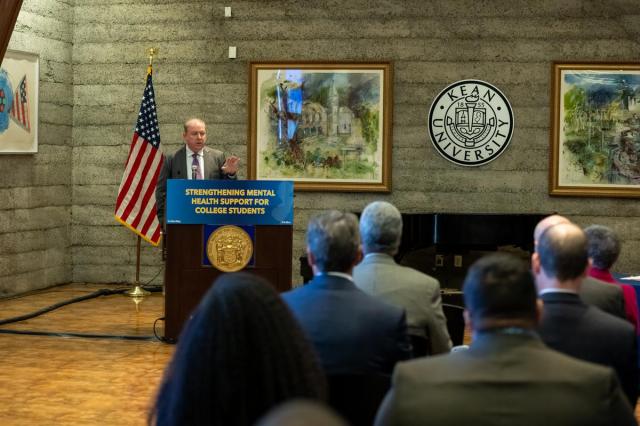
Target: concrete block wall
(510,43)
(35,190)
(431,44)
(111,38)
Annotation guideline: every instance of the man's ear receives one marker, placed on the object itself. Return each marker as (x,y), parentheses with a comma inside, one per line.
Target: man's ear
(311,259)
(535,263)
(539,310)
(359,256)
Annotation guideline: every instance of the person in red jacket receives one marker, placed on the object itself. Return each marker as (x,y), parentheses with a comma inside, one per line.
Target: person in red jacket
(604,249)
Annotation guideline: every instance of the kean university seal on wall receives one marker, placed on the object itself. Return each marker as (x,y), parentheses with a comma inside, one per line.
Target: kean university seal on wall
(470,123)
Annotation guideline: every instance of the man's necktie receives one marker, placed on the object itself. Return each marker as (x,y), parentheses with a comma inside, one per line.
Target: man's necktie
(196,173)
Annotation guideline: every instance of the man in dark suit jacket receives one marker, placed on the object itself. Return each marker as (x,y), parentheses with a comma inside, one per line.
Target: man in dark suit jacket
(594,292)
(568,325)
(351,331)
(193,161)
(507,376)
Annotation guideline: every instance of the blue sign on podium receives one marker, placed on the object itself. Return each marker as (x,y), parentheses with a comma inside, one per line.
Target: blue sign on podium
(229,202)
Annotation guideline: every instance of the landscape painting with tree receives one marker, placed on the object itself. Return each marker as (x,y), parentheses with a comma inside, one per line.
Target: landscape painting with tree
(323,126)
(595,140)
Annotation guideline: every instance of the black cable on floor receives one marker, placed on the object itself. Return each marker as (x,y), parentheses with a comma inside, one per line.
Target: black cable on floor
(161,338)
(153,278)
(146,286)
(98,293)
(83,335)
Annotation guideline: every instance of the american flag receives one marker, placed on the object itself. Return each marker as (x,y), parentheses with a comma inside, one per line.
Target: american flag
(136,203)
(20,108)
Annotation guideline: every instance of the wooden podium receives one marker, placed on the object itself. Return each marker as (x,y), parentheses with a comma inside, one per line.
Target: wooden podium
(186,280)
(187,276)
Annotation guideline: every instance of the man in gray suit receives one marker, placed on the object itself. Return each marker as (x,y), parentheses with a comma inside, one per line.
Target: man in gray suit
(507,376)
(193,161)
(379,275)
(593,292)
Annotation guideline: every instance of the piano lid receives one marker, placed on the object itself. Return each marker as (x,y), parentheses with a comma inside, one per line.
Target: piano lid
(474,231)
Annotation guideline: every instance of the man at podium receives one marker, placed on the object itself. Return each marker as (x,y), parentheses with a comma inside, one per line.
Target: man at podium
(193,161)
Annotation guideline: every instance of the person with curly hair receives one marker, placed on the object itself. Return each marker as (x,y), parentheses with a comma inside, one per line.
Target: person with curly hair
(241,354)
(604,249)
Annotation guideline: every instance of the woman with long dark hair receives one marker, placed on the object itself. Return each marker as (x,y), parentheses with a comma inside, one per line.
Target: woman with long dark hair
(241,354)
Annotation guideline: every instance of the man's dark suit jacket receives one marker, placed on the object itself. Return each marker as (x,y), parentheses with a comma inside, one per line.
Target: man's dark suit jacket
(175,167)
(570,326)
(603,295)
(504,380)
(351,331)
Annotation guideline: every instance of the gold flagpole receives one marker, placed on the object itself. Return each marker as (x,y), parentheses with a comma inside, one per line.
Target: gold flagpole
(137,290)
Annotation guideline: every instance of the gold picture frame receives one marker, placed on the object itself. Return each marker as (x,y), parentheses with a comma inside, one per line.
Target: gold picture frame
(595,130)
(326,126)
(19,93)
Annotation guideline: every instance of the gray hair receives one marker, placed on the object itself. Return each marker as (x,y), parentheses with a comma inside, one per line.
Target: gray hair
(333,238)
(381,228)
(604,246)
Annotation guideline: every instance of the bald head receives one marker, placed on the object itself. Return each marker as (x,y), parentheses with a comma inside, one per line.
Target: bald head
(547,223)
(562,252)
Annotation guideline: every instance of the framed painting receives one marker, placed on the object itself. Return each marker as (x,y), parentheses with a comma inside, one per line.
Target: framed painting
(19,80)
(595,130)
(324,126)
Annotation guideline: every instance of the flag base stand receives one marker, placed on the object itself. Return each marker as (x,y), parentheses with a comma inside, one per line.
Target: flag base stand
(137,291)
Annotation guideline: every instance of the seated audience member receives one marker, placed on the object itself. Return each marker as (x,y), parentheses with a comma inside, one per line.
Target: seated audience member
(604,249)
(570,326)
(507,376)
(379,275)
(351,331)
(302,413)
(592,292)
(241,354)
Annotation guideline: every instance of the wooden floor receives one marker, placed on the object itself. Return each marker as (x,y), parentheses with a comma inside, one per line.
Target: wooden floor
(80,381)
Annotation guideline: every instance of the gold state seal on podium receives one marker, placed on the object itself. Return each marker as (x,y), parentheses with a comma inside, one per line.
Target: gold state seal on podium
(229,248)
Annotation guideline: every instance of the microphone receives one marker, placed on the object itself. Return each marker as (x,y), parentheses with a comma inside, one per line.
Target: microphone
(194,171)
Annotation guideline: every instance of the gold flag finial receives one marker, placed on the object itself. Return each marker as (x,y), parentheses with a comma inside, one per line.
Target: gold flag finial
(152,51)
